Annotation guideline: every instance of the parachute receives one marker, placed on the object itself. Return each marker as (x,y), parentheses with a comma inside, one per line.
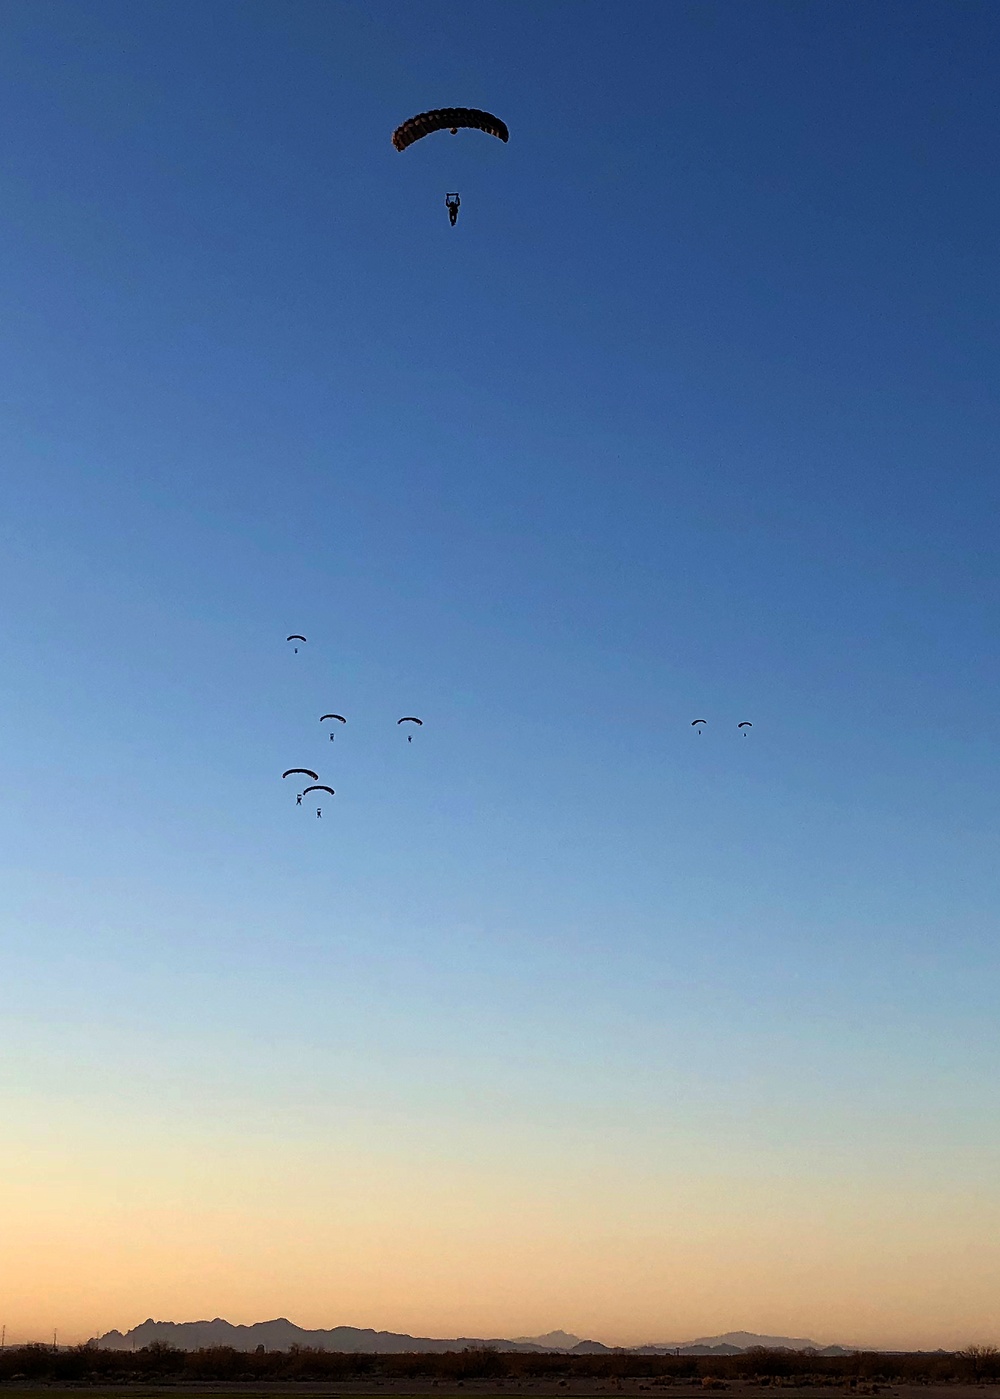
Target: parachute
(448,119)
(745,725)
(409,719)
(698,721)
(295,637)
(332,716)
(306,772)
(319,788)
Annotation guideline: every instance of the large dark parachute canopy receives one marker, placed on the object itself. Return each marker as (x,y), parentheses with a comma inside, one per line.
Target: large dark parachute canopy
(745,725)
(448,119)
(332,716)
(306,772)
(295,637)
(319,788)
(409,719)
(698,721)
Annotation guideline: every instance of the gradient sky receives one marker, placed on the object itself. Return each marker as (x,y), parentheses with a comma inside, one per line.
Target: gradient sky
(562,1015)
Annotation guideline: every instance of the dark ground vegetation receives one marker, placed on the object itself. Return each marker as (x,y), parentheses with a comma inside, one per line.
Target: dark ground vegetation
(861,1372)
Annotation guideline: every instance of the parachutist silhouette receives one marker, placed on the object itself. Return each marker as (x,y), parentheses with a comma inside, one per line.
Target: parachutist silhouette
(332,736)
(319,813)
(298,799)
(453,203)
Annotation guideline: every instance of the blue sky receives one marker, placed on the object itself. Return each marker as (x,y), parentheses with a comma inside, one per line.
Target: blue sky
(693,414)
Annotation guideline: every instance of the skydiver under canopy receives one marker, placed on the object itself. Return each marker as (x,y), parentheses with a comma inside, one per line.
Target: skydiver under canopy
(453,203)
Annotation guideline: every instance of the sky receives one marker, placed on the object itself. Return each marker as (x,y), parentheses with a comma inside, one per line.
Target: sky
(565,1014)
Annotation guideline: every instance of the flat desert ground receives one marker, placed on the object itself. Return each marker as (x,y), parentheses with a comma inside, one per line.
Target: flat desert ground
(486,1389)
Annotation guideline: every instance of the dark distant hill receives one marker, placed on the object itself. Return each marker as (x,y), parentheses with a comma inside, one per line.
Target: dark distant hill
(563,1341)
(280,1334)
(552,1340)
(736,1342)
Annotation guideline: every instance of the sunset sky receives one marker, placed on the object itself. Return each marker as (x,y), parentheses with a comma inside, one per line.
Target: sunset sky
(565,1014)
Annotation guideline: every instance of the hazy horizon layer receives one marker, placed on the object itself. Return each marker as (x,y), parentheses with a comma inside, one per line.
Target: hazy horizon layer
(565,1013)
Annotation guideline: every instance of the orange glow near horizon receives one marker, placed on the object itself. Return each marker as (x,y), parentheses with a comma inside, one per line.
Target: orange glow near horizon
(185,1229)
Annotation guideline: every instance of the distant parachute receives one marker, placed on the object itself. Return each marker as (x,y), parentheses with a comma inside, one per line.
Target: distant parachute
(448,119)
(295,637)
(306,772)
(319,788)
(745,725)
(409,719)
(332,716)
(698,721)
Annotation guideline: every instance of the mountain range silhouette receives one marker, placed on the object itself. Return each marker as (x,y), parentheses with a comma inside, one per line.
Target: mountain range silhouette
(281,1333)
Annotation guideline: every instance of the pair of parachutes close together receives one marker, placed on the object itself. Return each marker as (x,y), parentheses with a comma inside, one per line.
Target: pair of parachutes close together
(449,119)
(746,724)
(324,718)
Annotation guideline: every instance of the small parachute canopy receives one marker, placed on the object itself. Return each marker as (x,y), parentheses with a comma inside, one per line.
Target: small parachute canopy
(319,788)
(745,725)
(295,637)
(409,719)
(698,721)
(448,119)
(332,716)
(306,772)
